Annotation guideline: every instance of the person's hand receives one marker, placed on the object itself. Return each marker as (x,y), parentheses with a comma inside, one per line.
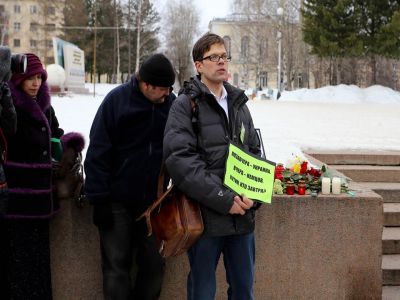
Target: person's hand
(236,209)
(102,215)
(244,202)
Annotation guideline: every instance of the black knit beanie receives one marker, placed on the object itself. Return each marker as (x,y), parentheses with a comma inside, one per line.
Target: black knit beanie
(157,70)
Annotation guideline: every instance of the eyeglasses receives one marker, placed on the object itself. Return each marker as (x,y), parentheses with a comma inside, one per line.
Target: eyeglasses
(216,57)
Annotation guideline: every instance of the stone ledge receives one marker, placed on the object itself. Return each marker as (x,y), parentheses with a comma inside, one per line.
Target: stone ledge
(328,247)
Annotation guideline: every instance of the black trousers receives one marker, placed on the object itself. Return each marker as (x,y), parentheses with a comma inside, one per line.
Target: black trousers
(132,267)
(29,275)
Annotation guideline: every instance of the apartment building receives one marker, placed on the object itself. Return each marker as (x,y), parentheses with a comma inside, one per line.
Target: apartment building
(30,25)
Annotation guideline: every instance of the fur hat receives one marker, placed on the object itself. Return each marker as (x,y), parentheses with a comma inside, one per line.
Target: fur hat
(34,66)
(157,70)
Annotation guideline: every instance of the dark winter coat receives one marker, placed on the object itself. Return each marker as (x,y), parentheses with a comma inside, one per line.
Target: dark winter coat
(196,162)
(124,156)
(28,168)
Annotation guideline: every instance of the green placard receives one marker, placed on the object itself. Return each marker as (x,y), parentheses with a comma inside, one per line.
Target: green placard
(249,175)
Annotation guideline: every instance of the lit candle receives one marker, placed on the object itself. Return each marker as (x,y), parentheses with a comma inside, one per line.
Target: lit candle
(326,185)
(336,184)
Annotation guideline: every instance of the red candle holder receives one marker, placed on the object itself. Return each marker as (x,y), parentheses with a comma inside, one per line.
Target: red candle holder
(301,187)
(289,188)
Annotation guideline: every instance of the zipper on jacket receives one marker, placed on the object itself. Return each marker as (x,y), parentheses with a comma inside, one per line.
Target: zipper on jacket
(151,127)
(222,112)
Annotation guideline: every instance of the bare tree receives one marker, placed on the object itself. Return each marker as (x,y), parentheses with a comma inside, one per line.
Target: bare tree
(181,26)
(50,19)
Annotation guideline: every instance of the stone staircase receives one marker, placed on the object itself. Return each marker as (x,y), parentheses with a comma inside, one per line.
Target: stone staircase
(380,172)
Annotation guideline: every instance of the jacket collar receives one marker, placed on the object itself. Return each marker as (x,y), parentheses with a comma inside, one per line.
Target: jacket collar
(24,102)
(196,89)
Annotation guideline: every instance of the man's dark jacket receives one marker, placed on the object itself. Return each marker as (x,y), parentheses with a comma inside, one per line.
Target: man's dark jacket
(196,162)
(124,156)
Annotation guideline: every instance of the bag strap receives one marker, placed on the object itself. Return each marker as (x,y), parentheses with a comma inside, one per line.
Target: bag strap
(148,211)
(163,178)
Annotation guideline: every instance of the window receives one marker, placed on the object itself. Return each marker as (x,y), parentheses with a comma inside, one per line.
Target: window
(300,81)
(34,27)
(17,43)
(51,10)
(263,51)
(227,41)
(245,47)
(33,9)
(1,8)
(17,26)
(263,79)
(51,27)
(33,43)
(49,43)
(17,9)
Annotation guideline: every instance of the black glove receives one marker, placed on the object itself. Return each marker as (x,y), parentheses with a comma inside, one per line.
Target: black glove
(102,215)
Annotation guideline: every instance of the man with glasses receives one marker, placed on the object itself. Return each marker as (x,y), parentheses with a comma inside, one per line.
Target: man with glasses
(122,167)
(208,115)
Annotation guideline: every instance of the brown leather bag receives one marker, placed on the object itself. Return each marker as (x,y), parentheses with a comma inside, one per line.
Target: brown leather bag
(174,220)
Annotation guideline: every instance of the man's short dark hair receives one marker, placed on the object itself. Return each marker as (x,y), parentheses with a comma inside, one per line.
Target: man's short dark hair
(204,44)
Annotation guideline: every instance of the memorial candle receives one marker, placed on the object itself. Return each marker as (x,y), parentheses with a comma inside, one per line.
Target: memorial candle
(301,188)
(326,186)
(290,188)
(336,185)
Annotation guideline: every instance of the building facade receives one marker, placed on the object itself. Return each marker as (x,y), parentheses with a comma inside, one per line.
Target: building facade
(252,45)
(30,25)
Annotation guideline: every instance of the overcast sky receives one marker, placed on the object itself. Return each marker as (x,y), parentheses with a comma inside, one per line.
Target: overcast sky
(209,9)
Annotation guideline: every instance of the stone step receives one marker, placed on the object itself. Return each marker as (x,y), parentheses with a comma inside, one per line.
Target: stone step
(391,292)
(357,157)
(368,173)
(391,269)
(391,214)
(391,240)
(389,191)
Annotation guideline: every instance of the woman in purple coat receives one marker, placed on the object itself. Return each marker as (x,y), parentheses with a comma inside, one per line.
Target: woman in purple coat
(29,175)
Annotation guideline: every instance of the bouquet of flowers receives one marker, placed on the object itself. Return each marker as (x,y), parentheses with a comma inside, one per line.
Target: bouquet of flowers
(299,176)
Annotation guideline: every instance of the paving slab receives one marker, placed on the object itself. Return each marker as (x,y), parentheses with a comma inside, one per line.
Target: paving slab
(391,293)
(389,191)
(391,213)
(391,240)
(369,173)
(391,269)
(356,157)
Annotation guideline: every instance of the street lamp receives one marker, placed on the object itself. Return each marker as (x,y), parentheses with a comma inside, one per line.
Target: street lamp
(279,12)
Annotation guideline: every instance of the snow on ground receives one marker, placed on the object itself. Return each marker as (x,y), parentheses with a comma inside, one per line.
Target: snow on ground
(332,117)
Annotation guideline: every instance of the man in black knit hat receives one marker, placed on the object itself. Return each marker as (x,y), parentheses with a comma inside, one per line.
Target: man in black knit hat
(122,166)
